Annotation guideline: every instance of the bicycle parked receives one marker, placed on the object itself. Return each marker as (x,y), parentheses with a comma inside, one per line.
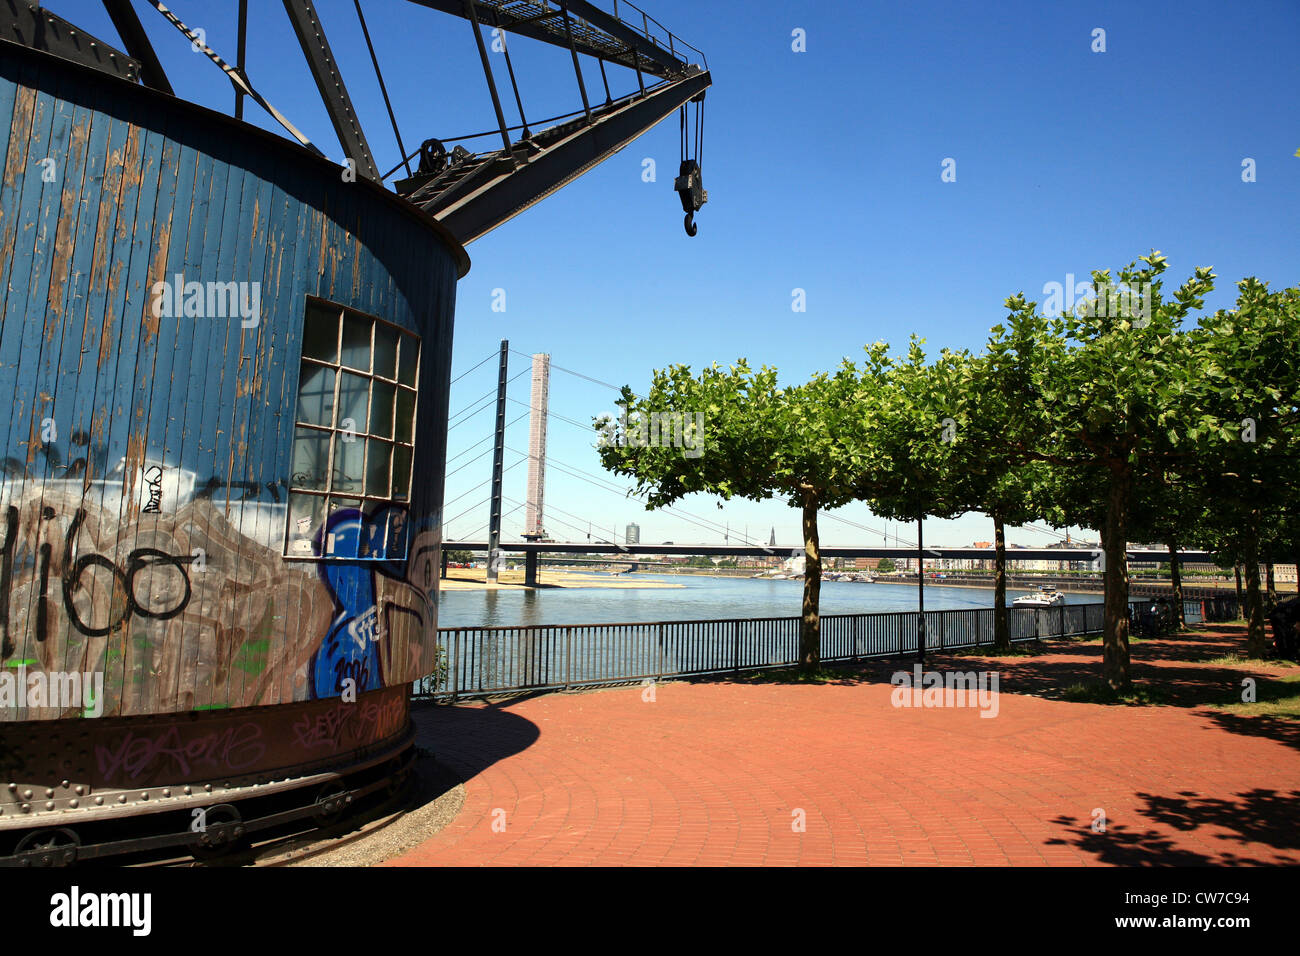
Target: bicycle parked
(1154,619)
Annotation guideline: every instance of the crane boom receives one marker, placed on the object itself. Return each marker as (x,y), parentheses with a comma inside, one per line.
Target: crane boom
(479,192)
(474,193)
(470,193)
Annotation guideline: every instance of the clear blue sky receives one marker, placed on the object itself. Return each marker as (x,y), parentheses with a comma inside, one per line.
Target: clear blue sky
(823,170)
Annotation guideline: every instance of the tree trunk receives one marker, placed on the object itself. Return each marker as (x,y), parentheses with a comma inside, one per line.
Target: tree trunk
(810,626)
(1115,652)
(1236,569)
(1176,576)
(1001,627)
(1270,584)
(1256,642)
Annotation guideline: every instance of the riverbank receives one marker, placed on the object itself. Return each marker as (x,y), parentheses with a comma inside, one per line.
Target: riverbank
(1139,587)
(474,579)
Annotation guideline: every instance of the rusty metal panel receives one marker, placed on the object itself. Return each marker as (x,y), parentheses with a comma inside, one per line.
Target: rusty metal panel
(146,464)
(63,772)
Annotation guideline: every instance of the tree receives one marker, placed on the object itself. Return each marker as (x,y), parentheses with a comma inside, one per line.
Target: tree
(1251,429)
(917,470)
(804,443)
(997,475)
(885,566)
(1170,508)
(1113,388)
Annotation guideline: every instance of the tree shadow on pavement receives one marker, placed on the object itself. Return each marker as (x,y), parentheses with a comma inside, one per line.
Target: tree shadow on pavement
(1242,825)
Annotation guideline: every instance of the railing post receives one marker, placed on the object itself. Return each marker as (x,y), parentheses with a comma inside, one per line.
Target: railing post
(659,665)
(455,665)
(856,619)
(1062,617)
(568,657)
(735,652)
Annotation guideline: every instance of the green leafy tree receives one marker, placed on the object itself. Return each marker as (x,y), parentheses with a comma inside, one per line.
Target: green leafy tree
(916,466)
(996,474)
(1111,388)
(805,444)
(1251,428)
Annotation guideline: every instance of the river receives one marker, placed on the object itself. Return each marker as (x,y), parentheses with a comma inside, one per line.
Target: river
(700,598)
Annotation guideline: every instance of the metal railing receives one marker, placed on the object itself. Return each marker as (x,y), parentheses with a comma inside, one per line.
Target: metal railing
(483,661)
(674,41)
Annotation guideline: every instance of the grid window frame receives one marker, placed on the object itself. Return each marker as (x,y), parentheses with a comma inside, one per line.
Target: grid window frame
(375,443)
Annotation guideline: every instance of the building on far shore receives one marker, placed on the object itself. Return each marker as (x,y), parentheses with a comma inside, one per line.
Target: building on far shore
(632,534)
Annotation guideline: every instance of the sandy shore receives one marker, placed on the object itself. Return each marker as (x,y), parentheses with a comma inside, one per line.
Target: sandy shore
(473,579)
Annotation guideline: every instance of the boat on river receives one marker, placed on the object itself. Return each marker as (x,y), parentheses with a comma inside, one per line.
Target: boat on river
(1045,596)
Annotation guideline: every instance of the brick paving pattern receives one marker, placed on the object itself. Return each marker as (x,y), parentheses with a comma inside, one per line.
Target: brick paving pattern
(720,772)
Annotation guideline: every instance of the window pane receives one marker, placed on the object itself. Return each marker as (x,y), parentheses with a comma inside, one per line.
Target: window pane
(306,513)
(343,541)
(401,473)
(390,540)
(372,543)
(311,458)
(378,462)
(353,394)
(320,333)
(381,409)
(347,423)
(348,453)
(316,395)
(385,350)
(405,415)
(356,342)
(410,353)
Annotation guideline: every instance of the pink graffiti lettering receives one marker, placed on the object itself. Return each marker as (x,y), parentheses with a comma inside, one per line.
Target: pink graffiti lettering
(233,748)
(347,724)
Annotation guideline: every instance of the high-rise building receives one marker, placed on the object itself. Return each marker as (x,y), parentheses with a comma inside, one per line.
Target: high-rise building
(632,534)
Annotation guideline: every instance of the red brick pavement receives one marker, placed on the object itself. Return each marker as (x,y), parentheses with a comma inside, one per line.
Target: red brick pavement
(719,772)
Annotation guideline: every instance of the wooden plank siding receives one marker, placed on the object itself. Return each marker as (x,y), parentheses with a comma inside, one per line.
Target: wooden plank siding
(147,457)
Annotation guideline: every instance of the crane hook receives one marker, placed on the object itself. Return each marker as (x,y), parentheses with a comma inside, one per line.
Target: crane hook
(690,187)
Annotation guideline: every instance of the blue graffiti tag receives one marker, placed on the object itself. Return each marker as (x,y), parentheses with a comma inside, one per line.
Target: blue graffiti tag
(350,649)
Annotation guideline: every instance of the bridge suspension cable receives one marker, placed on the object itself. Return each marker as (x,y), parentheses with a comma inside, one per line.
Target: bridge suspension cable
(481,484)
(490,357)
(705,523)
(482,440)
(486,400)
(569,371)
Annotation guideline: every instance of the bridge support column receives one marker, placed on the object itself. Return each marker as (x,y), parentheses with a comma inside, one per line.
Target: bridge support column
(530,569)
(444,564)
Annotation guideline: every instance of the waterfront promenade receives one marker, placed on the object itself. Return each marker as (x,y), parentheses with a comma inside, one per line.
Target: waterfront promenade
(718,772)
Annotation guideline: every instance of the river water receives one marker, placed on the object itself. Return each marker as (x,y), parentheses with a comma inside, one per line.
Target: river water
(700,598)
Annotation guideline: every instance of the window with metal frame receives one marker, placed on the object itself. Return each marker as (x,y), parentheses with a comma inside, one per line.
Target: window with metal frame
(354,435)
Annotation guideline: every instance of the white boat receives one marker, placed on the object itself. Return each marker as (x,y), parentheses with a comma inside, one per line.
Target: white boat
(1045,596)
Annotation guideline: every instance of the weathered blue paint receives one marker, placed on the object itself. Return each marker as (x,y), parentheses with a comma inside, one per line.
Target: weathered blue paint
(115,408)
